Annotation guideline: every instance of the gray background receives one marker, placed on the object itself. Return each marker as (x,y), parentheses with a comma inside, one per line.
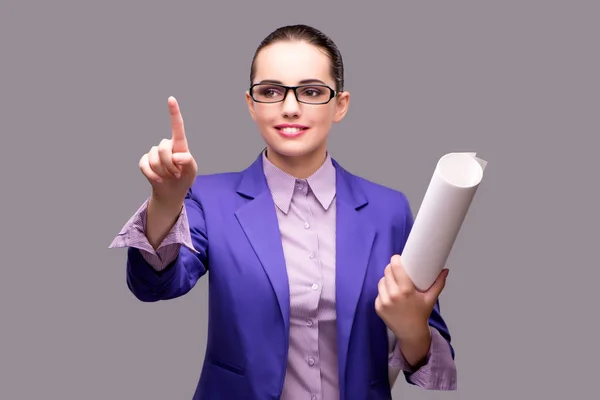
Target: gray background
(84,89)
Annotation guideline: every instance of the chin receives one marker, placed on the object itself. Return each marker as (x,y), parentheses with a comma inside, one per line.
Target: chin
(294,149)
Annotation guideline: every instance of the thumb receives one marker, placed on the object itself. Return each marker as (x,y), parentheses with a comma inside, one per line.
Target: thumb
(183,160)
(436,289)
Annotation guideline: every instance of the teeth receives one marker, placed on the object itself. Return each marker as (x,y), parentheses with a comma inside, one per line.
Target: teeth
(291,130)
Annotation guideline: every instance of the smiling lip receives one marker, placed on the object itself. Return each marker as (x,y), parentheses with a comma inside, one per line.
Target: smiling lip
(291,130)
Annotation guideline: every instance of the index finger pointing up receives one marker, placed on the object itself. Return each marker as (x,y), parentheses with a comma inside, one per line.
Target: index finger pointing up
(178,139)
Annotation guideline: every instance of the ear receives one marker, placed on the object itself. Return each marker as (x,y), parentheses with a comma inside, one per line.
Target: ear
(250,104)
(341,106)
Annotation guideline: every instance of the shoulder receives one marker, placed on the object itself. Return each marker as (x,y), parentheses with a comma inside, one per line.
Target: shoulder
(217,179)
(393,202)
(382,199)
(215,184)
(374,191)
(381,193)
(219,184)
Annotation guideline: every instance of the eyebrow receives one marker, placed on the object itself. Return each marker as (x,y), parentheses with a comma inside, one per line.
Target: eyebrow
(302,82)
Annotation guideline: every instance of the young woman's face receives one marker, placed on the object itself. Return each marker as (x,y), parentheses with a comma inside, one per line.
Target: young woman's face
(292,63)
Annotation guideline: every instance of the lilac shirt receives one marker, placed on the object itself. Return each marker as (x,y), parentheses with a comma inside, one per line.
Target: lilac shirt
(307,221)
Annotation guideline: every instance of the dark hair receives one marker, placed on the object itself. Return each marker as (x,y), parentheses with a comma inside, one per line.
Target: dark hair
(313,36)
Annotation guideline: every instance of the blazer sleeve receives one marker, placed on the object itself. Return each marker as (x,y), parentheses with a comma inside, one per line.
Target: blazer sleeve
(180,275)
(133,234)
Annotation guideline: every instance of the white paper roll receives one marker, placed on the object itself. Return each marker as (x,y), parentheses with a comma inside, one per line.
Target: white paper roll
(445,204)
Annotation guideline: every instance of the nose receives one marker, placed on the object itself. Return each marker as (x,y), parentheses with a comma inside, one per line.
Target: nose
(290,106)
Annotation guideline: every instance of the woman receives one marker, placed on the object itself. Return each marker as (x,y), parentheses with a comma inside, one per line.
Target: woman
(308,297)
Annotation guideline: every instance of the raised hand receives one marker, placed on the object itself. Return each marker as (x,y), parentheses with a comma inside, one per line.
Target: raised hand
(170,167)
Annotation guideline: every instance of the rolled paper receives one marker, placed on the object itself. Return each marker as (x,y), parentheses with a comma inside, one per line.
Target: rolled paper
(441,215)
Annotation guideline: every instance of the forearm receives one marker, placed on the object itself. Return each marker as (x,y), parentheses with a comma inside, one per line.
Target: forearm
(177,248)
(160,218)
(416,347)
(436,371)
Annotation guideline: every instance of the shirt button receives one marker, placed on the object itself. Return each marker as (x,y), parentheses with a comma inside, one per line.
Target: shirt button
(306,225)
(311,361)
(315,286)
(311,255)
(309,323)
(314,397)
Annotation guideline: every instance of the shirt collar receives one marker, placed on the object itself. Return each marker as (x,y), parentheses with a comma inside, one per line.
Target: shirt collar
(281,184)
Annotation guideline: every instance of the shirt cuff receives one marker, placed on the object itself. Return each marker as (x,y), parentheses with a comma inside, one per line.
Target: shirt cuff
(133,234)
(439,370)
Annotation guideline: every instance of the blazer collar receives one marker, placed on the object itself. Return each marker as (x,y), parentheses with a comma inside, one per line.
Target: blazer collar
(253,183)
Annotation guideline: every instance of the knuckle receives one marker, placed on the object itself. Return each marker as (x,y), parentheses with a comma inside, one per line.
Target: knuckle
(157,168)
(153,161)
(394,295)
(144,163)
(386,303)
(378,307)
(147,172)
(165,146)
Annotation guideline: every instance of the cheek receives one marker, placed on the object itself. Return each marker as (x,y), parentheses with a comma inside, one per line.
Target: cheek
(320,116)
(265,116)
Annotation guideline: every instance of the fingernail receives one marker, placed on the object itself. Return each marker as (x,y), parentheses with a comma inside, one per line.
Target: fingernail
(177,175)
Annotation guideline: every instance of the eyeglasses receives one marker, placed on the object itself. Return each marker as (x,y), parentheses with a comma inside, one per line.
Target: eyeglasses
(308,94)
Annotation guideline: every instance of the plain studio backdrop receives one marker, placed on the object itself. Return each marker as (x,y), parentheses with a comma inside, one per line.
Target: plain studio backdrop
(84,88)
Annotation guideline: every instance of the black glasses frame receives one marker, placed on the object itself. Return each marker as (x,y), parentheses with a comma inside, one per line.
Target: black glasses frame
(332,92)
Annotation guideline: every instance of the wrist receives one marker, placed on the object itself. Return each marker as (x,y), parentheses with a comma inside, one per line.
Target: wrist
(160,218)
(416,334)
(166,204)
(415,347)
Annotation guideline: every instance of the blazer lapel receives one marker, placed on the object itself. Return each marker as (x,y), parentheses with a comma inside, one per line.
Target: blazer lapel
(354,241)
(355,235)
(258,220)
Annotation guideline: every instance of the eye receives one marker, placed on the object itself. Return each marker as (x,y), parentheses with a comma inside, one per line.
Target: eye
(312,91)
(269,91)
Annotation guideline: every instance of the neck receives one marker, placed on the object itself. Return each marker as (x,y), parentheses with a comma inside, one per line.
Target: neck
(300,167)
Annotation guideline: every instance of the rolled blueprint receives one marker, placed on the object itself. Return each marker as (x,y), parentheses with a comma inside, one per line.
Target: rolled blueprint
(440,217)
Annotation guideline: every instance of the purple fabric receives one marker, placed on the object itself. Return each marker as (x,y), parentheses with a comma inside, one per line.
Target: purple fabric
(306,214)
